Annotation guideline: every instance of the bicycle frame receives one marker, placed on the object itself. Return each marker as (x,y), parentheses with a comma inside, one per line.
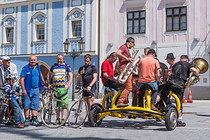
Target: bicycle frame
(117,112)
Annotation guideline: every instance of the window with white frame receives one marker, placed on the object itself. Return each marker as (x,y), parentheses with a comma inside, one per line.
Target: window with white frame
(40,32)
(39,20)
(136,22)
(176,19)
(77,28)
(9,34)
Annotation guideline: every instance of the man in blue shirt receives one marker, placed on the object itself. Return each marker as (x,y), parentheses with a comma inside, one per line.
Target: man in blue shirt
(31,83)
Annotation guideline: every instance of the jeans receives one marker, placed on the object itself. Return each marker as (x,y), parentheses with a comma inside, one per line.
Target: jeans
(31,100)
(17,112)
(141,92)
(152,84)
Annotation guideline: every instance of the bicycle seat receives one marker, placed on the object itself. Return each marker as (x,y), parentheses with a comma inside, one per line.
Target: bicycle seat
(145,87)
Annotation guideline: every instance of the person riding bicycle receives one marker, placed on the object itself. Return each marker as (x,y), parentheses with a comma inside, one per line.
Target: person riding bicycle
(149,71)
(176,83)
(107,75)
(61,76)
(88,74)
(15,101)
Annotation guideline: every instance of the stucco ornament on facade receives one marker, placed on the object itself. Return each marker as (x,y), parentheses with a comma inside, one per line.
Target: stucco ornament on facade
(75,14)
(8,20)
(39,17)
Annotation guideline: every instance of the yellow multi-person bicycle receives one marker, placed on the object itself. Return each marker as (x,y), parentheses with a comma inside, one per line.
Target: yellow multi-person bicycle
(169,114)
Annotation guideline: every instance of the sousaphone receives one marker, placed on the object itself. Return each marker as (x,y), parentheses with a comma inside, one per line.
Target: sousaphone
(201,66)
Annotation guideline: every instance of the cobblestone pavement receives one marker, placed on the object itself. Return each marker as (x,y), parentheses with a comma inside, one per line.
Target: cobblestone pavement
(196,116)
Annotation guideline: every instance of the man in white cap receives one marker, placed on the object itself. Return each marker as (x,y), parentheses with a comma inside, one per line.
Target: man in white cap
(6,68)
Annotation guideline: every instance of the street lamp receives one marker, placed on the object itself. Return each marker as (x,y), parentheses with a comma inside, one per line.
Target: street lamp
(73,54)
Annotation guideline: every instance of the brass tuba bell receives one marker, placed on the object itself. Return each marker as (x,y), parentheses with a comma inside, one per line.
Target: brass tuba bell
(201,66)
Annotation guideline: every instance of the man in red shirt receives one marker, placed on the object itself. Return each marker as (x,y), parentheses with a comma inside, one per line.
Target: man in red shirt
(107,72)
(124,59)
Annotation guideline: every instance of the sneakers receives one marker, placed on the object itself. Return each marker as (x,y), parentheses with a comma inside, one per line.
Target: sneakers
(62,122)
(121,105)
(35,122)
(19,125)
(58,121)
(153,108)
(27,122)
(181,124)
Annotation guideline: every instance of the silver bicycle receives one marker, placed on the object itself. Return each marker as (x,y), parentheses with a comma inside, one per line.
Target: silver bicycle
(79,111)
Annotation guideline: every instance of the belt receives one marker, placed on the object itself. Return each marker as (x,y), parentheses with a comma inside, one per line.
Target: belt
(34,87)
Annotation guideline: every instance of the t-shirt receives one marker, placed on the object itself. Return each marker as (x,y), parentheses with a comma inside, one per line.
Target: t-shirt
(107,67)
(125,52)
(34,75)
(87,74)
(148,67)
(183,71)
(59,75)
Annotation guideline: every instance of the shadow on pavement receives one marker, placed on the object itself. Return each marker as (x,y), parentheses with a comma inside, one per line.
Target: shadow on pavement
(31,134)
(121,124)
(202,115)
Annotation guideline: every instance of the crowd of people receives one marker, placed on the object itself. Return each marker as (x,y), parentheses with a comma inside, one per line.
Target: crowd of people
(31,81)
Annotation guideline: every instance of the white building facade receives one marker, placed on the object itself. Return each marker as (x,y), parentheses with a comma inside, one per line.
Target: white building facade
(168,26)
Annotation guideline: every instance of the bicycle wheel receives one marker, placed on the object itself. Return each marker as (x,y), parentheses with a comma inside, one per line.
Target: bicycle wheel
(1,112)
(54,113)
(78,113)
(41,104)
(3,109)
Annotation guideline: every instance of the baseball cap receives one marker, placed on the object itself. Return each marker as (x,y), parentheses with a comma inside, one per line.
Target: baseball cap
(170,56)
(5,57)
(184,57)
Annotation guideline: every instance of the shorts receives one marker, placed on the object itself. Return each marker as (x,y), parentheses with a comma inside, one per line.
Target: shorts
(63,96)
(31,100)
(87,94)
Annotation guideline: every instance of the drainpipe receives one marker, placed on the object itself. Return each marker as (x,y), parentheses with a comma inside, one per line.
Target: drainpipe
(188,27)
(99,12)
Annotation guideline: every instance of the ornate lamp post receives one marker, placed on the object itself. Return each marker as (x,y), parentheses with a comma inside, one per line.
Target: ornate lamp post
(73,54)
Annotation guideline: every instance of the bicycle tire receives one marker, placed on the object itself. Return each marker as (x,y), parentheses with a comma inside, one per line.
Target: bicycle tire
(78,113)
(49,111)
(2,112)
(41,105)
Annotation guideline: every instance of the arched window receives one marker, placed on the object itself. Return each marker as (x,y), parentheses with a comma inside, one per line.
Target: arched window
(38,19)
(8,22)
(76,18)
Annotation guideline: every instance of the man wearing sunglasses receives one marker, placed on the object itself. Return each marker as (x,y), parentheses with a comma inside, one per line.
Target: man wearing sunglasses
(6,68)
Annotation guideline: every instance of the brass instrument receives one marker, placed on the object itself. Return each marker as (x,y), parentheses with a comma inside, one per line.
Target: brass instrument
(201,66)
(129,68)
(163,73)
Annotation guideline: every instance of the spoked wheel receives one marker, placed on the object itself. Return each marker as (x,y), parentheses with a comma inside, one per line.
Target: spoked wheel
(1,113)
(41,104)
(171,119)
(78,113)
(54,113)
(94,116)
